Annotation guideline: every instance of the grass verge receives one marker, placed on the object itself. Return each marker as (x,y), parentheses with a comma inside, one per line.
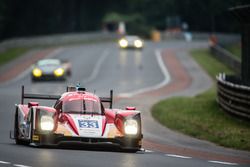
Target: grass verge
(200,116)
(235,49)
(11,54)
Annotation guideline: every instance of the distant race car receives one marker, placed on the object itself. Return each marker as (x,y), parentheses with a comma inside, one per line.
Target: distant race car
(50,69)
(77,116)
(131,42)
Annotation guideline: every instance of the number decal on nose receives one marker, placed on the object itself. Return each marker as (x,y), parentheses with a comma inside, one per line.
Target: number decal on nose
(88,124)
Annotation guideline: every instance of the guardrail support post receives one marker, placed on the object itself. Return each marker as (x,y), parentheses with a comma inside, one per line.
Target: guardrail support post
(245,61)
(242,13)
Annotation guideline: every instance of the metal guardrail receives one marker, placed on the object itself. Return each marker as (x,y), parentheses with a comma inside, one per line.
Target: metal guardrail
(56,39)
(226,57)
(233,98)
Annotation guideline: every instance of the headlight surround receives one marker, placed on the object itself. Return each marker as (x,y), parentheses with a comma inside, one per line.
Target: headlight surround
(59,72)
(123,43)
(131,127)
(37,72)
(47,123)
(138,43)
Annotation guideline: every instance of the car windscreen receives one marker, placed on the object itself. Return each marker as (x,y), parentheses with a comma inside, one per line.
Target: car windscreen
(132,37)
(46,62)
(82,106)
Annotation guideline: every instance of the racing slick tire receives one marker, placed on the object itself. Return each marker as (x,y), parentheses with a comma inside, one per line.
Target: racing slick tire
(16,130)
(31,129)
(69,73)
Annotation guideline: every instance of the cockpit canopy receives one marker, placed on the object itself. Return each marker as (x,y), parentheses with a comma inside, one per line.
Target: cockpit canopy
(82,106)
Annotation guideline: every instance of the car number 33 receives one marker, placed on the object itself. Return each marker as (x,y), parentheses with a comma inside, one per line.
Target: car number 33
(88,124)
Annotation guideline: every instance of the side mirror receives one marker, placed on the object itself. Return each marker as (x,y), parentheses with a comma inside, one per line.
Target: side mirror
(58,106)
(31,104)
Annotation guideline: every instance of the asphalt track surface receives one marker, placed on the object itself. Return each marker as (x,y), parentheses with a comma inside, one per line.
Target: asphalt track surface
(138,78)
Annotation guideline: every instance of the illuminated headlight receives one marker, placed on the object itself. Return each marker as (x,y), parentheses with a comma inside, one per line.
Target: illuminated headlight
(131,127)
(59,72)
(123,43)
(47,123)
(138,43)
(37,72)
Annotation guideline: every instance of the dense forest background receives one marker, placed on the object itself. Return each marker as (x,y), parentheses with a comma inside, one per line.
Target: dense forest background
(39,17)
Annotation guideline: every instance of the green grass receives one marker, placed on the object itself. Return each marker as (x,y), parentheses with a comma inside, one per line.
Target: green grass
(11,54)
(200,116)
(235,50)
(211,65)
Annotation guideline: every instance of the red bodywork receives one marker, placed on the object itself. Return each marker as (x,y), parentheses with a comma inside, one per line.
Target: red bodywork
(100,125)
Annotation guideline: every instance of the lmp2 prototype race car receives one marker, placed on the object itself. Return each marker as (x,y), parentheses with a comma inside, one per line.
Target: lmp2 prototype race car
(50,69)
(77,116)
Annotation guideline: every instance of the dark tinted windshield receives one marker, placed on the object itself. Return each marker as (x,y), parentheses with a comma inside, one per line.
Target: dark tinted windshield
(82,106)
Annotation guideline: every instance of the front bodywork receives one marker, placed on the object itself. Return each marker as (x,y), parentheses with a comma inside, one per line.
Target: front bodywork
(109,126)
(131,42)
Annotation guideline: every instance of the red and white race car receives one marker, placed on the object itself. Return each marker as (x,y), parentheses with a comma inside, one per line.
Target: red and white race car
(77,116)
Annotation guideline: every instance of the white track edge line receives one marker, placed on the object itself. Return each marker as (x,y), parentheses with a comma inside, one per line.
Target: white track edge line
(166,80)
(178,156)
(96,68)
(19,165)
(4,162)
(222,162)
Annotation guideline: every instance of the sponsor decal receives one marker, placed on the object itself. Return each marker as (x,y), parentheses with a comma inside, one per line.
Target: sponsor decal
(88,124)
(35,137)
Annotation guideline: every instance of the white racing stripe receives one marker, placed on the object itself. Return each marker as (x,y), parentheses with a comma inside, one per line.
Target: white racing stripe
(158,86)
(224,163)
(4,162)
(177,156)
(96,68)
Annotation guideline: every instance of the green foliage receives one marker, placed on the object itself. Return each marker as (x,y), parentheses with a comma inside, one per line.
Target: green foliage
(135,23)
(211,65)
(11,54)
(114,17)
(235,49)
(29,17)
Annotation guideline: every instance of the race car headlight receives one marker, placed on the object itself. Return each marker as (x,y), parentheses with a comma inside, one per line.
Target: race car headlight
(37,72)
(47,123)
(123,43)
(138,43)
(59,72)
(131,127)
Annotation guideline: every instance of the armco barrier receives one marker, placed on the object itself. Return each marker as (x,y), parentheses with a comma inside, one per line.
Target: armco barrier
(232,97)
(57,39)
(226,57)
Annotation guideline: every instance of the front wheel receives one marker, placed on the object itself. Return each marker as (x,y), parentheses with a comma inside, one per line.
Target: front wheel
(130,150)
(31,128)
(16,130)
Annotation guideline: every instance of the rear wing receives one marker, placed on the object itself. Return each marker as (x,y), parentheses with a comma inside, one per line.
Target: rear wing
(37,96)
(108,99)
(103,99)
(56,97)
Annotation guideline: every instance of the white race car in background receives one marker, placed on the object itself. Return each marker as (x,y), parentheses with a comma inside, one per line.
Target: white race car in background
(131,41)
